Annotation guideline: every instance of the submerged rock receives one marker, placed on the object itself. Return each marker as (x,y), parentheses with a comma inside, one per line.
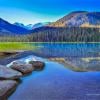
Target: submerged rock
(60,60)
(6,88)
(23,68)
(37,65)
(8,73)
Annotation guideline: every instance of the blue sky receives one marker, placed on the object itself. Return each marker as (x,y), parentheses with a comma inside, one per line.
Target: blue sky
(34,11)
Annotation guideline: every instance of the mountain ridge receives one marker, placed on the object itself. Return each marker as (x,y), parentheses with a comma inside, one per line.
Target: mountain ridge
(79,19)
(10,28)
(74,19)
(32,26)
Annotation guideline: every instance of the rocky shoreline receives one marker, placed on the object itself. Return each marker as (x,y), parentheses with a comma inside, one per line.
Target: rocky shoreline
(9,76)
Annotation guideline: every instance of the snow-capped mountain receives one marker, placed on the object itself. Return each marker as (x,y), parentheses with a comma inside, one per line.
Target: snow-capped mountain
(32,26)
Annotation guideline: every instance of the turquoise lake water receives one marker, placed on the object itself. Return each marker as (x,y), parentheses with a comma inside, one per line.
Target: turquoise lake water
(56,82)
(67,49)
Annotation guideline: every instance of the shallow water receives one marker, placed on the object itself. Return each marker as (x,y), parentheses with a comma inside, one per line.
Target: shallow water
(56,82)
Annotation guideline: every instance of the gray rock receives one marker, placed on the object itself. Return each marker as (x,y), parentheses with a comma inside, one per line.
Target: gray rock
(23,68)
(38,65)
(6,88)
(8,73)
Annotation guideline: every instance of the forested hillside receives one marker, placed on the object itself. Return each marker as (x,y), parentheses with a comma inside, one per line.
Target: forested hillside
(50,34)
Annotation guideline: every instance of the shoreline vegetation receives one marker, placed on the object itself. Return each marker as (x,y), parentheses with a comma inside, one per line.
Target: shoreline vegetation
(25,46)
(15,47)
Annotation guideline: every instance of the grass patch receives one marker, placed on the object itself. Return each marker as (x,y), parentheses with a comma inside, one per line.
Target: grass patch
(11,46)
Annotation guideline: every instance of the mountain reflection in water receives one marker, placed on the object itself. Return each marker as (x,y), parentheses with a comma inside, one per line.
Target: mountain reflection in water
(76,55)
(67,49)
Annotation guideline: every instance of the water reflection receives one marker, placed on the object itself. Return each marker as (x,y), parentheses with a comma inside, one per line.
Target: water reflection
(55,82)
(68,50)
(80,57)
(58,83)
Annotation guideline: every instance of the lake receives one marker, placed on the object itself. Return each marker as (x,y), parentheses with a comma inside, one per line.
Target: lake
(67,49)
(57,81)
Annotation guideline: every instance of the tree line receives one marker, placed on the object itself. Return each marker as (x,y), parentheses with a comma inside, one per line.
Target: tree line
(57,35)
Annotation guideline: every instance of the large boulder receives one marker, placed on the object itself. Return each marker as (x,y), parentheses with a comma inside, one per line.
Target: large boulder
(6,88)
(23,68)
(37,65)
(8,73)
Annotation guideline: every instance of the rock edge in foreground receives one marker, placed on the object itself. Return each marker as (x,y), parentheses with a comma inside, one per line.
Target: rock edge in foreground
(8,73)
(16,70)
(6,88)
